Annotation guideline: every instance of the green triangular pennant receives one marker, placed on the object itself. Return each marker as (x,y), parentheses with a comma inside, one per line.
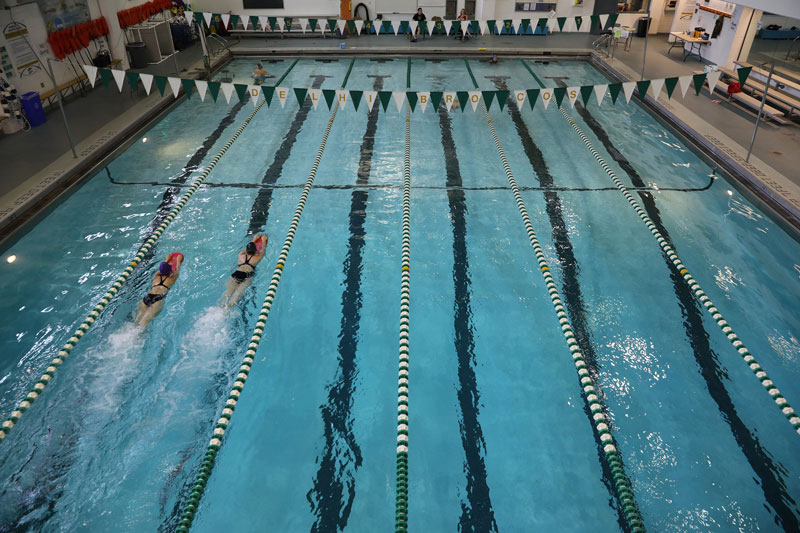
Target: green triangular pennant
(670,84)
(612,19)
(332,24)
(586,93)
(508,25)
(241,91)
(133,80)
(387,26)
(559,93)
(198,16)
(488,96)
(743,73)
(188,87)
(492,26)
(234,21)
(436,99)
(463,98)
(474,27)
(161,82)
(561,21)
(313,24)
(541,24)
(288,22)
(106,76)
(525,24)
(268,93)
(351,27)
(404,27)
(613,90)
(699,80)
(213,88)
(456,27)
(423,26)
(385,97)
(595,22)
(533,96)
(254,22)
(329,95)
(367,27)
(273,21)
(642,86)
(411,96)
(578,22)
(301,96)
(356,96)
(502,96)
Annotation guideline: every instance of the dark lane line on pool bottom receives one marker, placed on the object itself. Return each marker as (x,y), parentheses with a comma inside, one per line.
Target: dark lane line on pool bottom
(571,285)
(331,497)
(769,474)
(477,514)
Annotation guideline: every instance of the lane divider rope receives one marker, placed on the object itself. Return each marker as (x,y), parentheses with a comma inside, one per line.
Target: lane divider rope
(65,351)
(401,498)
(621,482)
(209,460)
(705,301)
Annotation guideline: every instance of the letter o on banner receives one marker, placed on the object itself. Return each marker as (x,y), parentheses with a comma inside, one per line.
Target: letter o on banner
(474,98)
(546,96)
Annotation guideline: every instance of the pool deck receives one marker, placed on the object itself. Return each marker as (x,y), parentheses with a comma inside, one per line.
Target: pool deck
(34,177)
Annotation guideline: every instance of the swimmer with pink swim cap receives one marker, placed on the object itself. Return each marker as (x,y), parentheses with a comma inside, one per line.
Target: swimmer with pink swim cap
(164,279)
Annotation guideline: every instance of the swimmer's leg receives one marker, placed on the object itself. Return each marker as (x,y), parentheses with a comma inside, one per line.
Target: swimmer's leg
(237,292)
(148,313)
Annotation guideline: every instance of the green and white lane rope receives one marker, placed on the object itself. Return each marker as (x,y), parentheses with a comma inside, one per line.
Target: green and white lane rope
(621,482)
(401,497)
(209,460)
(65,351)
(755,367)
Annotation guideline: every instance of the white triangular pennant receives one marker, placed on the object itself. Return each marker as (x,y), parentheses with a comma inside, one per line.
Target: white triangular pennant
(91,73)
(282,93)
(484,27)
(341,24)
(370,97)
(519,98)
(414,25)
(423,98)
(189,16)
(449,98)
(207,17)
(399,98)
(280,23)
(341,97)
(600,92)
(225,19)
(255,91)
(572,94)
(202,87)
(552,25)
(603,20)
(302,23)
(359,26)
(315,95)
(246,22)
(628,88)
(684,82)
(447,24)
(227,90)
(119,77)
(175,85)
(262,21)
(147,82)
(712,78)
(396,26)
(657,85)
(547,95)
(474,98)
(586,25)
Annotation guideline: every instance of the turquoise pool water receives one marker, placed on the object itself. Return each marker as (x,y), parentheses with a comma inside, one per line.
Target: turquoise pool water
(500,438)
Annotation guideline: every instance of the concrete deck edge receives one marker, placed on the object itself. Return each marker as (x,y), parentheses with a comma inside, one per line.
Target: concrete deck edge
(778,192)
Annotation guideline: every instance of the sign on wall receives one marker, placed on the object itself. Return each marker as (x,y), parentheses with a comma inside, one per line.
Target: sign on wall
(263,4)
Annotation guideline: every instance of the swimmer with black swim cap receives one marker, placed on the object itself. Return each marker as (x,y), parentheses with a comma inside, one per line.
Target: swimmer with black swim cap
(164,279)
(241,278)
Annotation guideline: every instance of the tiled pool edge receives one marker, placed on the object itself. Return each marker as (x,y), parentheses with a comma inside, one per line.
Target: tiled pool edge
(777,191)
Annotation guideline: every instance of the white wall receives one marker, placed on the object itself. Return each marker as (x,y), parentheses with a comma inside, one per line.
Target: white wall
(295,8)
(787,8)
(725,48)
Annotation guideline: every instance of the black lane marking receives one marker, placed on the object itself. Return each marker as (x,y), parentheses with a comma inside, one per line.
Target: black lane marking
(570,286)
(477,514)
(769,474)
(434,187)
(260,210)
(334,490)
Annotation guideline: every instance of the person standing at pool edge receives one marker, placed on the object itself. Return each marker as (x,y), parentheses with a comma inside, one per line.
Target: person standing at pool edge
(241,278)
(164,279)
(418,16)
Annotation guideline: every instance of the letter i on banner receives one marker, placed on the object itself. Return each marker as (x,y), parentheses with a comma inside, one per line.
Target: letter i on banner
(282,93)
(314,94)
(370,97)
(424,98)
(519,98)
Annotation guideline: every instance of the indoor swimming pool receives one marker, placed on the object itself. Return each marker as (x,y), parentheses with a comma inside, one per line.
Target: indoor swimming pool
(500,434)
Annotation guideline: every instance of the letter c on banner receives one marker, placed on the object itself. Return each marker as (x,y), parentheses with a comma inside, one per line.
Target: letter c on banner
(520,97)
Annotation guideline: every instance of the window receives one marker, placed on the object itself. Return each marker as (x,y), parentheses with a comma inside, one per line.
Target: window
(535,6)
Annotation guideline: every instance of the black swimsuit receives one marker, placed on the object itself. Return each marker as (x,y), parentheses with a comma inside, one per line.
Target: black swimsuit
(239,276)
(151,298)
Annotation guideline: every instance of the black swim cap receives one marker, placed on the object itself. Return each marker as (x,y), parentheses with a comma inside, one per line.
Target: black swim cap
(251,248)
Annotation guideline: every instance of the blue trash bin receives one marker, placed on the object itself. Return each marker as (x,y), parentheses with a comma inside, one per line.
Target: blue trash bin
(32,105)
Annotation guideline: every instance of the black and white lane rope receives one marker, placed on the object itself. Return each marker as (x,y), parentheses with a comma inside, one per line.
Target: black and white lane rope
(702,297)
(621,482)
(401,496)
(209,460)
(66,350)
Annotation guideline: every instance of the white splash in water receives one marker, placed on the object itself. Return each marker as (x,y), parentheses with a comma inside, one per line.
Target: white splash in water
(117,360)
(202,344)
